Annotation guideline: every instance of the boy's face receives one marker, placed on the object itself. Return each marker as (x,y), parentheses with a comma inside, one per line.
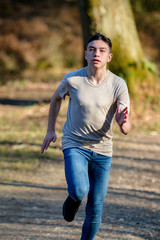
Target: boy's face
(98,54)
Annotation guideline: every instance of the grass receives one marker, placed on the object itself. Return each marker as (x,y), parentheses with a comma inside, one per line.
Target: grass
(22,130)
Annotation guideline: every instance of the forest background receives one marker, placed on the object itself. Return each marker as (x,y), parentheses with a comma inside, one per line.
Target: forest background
(42,40)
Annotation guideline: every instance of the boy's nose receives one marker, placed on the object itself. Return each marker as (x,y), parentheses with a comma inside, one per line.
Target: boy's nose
(96,52)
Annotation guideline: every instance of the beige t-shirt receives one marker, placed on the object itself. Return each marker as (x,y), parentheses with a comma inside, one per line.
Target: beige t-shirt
(91,110)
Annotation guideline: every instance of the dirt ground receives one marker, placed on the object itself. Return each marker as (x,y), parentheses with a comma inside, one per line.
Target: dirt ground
(30,207)
(32,210)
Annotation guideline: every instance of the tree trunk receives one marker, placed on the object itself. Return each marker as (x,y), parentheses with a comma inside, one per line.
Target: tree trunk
(113,18)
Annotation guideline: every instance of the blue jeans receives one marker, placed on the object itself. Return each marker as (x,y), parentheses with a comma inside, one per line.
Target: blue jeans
(87,174)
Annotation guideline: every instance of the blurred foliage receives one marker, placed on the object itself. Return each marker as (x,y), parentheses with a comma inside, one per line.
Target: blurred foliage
(145,5)
(46,36)
(143,82)
(32,38)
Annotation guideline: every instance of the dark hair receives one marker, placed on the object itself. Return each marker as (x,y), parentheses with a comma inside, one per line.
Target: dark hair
(99,36)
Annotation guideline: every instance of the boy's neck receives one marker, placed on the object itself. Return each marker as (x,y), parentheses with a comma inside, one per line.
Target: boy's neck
(96,76)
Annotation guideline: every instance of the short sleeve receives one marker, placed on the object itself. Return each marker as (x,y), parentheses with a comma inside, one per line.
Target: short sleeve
(63,88)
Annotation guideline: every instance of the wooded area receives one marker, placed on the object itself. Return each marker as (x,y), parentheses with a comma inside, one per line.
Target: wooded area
(115,19)
(37,45)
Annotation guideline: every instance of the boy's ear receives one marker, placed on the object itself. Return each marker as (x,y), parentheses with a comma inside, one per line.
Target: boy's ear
(85,54)
(110,57)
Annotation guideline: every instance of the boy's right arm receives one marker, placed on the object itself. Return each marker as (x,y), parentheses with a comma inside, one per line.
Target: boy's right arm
(55,106)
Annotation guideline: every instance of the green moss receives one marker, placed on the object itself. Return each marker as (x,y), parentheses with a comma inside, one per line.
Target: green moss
(43,64)
(142,80)
(149,66)
(70,62)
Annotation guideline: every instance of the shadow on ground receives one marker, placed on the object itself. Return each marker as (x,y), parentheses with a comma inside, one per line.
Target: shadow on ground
(30,216)
(31,209)
(22,103)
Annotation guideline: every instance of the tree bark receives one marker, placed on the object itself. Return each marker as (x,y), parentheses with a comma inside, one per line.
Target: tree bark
(113,18)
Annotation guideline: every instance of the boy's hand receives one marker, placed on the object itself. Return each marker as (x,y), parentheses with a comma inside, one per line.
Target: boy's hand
(122,119)
(121,116)
(50,136)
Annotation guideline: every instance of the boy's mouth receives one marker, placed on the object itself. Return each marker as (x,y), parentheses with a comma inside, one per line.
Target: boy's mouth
(95,60)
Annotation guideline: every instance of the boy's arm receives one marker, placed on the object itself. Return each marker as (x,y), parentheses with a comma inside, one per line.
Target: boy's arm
(122,118)
(55,106)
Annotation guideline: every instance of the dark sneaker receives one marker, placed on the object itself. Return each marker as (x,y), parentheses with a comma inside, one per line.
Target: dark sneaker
(70,208)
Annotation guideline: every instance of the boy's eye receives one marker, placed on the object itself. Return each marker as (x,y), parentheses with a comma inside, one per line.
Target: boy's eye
(93,49)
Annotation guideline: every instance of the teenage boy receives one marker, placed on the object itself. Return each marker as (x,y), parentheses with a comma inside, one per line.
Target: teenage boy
(96,95)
